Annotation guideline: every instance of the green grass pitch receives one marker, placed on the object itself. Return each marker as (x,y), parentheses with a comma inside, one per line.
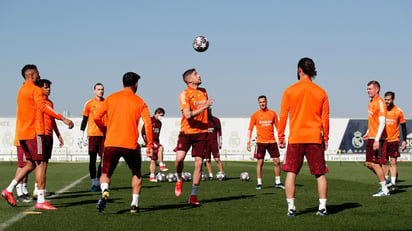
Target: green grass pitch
(225,205)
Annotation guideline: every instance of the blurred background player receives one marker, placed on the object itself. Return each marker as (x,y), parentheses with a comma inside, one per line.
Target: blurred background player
(376,136)
(394,117)
(30,99)
(158,148)
(94,134)
(214,143)
(265,120)
(49,125)
(124,110)
(307,106)
(194,103)
(21,188)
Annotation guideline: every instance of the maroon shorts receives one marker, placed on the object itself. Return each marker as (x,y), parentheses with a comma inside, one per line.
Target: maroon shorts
(34,148)
(196,141)
(260,150)
(392,149)
(156,146)
(111,156)
(212,148)
(48,146)
(378,156)
(96,145)
(314,155)
(21,157)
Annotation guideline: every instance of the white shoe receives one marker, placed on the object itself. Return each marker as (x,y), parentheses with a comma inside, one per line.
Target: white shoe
(381,194)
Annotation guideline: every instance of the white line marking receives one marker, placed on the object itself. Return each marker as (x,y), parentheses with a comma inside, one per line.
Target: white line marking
(19,216)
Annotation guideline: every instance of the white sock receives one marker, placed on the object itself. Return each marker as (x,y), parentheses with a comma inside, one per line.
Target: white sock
(259,181)
(135,200)
(161,164)
(40,196)
(12,185)
(19,189)
(386,177)
(210,174)
(104,186)
(393,179)
(25,189)
(277,180)
(179,176)
(152,175)
(35,187)
(195,189)
(383,186)
(322,204)
(291,204)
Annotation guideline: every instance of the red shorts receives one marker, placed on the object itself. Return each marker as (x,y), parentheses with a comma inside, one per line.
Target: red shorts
(196,141)
(21,157)
(260,150)
(392,149)
(156,146)
(96,145)
(111,156)
(378,156)
(314,155)
(34,149)
(212,148)
(48,146)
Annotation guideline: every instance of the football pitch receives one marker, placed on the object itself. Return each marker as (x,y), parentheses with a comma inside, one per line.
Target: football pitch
(225,205)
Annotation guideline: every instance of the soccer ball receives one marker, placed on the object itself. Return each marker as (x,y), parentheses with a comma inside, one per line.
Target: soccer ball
(220,176)
(244,176)
(161,177)
(187,176)
(171,177)
(203,176)
(200,44)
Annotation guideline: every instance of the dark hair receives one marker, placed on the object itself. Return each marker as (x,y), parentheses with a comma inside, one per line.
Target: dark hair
(308,66)
(187,73)
(376,83)
(390,93)
(43,82)
(160,110)
(27,67)
(262,96)
(98,84)
(130,79)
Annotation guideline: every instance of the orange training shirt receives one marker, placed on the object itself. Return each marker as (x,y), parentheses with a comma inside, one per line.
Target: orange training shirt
(376,108)
(193,99)
(307,105)
(48,120)
(394,117)
(264,120)
(124,109)
(90,109)
(29,98)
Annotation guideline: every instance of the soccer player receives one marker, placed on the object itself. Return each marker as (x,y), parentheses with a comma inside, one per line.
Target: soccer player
(376,136)
(307,106)
(265,120)
(214,143)
(194,103)
(29,100)
(394,117)
(158,148)
(94,134)
(124,110)
(46,129)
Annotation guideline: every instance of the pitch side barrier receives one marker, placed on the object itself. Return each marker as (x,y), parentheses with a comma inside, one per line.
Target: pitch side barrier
(345,142)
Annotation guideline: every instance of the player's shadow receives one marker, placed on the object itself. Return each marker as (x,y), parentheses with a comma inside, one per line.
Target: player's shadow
(83,202)
(400,189)
(74,195)
(332,209)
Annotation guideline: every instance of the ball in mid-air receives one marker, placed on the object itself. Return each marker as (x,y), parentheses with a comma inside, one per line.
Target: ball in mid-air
(200,44)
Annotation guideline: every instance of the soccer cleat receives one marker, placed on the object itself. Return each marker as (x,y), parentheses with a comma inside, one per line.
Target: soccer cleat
(381,194)
(280,185)
(210,177)
(9,197)
(178,188)
(95,188)
(322,213)
(101,204)
(291,213)
(393,188)
(24,198)
(193,200)
(153,179)
(163,169)
(45,205)
(259,187)
(134,209)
